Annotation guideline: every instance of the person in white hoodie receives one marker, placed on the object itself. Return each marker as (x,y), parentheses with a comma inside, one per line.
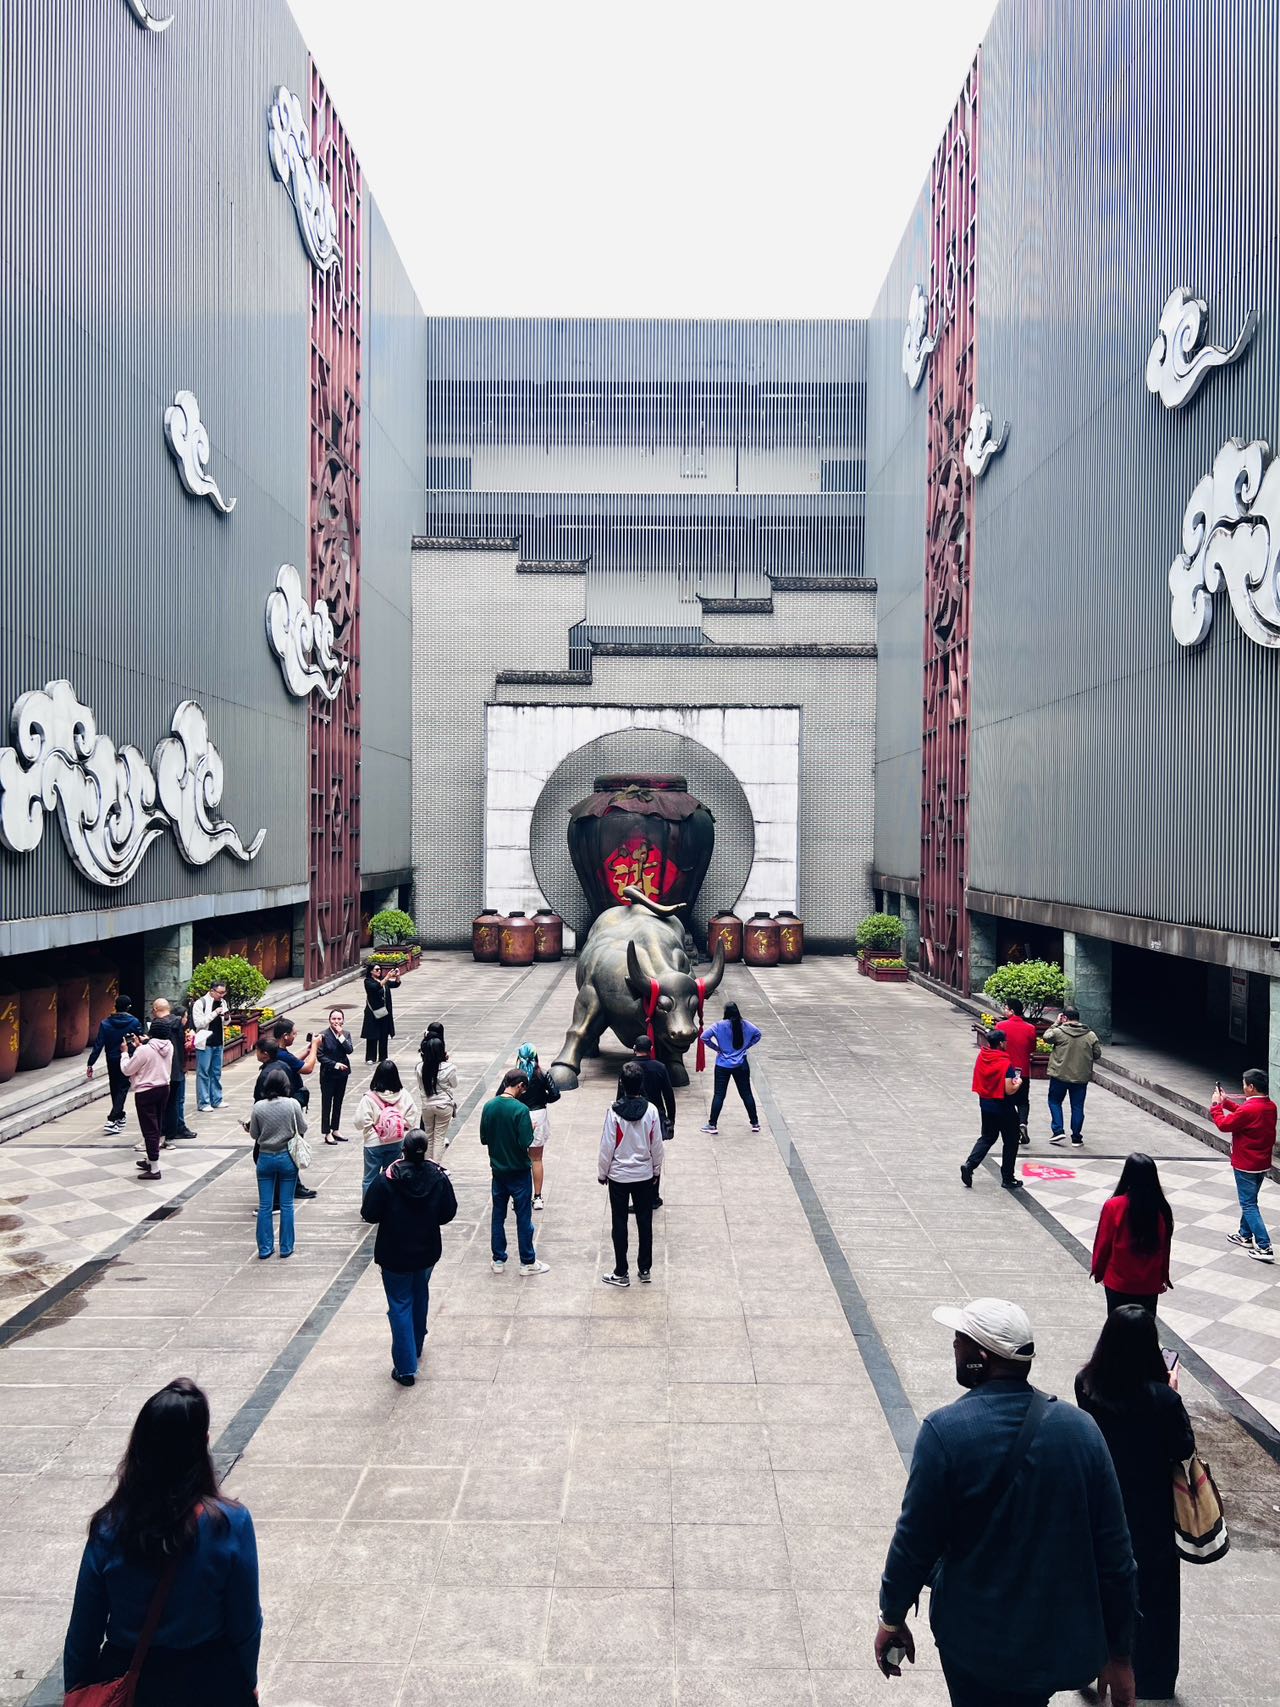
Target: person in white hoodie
(146,1063)
(631,1165)
(384,1114)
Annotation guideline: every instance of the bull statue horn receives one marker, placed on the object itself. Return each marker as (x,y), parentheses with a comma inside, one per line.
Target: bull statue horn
(711,982)
(637,983)
(640,899)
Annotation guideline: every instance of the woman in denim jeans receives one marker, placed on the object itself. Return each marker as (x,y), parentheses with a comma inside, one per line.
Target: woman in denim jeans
(272,1124)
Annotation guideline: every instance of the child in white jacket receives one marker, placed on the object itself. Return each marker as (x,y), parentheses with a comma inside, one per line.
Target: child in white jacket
(631,1166)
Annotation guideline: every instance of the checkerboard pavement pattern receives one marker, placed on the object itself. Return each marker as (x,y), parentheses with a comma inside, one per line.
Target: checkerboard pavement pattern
(1223,1303)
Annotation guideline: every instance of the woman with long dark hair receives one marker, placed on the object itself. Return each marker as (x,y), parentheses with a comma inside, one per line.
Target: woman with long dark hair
(1125,1389)
(169,1543)
(384,1114)
(379,1023)
(1135,1233)
(730,1039)
(438,1079)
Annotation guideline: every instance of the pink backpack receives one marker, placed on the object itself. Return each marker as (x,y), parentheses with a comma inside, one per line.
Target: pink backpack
(389,1126)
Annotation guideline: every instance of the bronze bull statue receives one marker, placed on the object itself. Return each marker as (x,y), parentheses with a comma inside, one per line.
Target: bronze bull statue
(634,961)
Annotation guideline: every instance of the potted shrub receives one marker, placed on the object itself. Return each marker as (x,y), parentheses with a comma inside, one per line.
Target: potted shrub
(392,928)
(879,934)
(393,959)
(245,989)
(887,969)
(1039,984)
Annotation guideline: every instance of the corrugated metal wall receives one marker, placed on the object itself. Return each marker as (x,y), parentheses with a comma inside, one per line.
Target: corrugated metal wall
(896,423)
(394,450)
(146,248)
(1110,767)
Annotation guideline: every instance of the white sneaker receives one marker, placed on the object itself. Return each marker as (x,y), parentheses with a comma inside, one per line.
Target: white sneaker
(535,1267)
(537,1202)
(1262,1253)
(498,1267)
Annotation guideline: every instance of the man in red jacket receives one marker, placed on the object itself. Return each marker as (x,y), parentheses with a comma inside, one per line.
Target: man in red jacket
(995,1083)
(1252,1125)
(1020,1043)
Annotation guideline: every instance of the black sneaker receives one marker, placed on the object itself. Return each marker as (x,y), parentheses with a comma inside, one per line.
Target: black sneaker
(1024,1137)
(966,1174)
(304,1191)
(615,1280)
(1077,1139)
(403,1380)
(644,1277)
(1012,1185)
(185,1132)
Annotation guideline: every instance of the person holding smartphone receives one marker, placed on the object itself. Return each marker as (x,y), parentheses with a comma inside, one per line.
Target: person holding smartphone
(1251,1123)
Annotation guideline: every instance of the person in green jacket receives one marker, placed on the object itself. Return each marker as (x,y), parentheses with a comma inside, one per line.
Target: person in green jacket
(1075,1049)
(506,1131)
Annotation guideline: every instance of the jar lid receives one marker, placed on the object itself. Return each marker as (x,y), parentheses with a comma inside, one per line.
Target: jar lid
(641,779)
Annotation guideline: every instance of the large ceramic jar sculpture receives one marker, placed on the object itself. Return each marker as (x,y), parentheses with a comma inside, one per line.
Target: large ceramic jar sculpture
(643,831)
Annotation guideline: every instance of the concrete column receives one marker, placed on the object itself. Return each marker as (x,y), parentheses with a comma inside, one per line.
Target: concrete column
(910,915)
(166,965)
(299,967)
(1086,960)
(1273,1046)
(982,950)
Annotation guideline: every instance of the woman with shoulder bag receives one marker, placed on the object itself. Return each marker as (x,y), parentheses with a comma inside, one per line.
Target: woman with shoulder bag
(438,1079)
(277,1125)
(540,1090)
(1125,1389)
(334,1052)
(384,1114)
(379,1011)
(168,1582)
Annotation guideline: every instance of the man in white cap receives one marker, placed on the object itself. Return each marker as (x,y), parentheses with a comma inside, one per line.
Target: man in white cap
(1012,1515)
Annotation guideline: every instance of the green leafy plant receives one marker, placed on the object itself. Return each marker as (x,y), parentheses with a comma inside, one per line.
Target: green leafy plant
(879,930)
(392,926)
(245,984)
(388,959)
(1039,984)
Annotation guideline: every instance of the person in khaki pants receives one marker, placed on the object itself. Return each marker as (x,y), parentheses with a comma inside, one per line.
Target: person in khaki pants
(438,1078)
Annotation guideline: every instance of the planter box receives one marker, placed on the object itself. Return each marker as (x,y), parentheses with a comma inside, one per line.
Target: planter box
(888,974)
(233,1051)
(1039,1067)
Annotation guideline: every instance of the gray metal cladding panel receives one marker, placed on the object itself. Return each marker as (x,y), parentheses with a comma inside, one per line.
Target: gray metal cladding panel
(148,248)
(895,534)
(1110,767)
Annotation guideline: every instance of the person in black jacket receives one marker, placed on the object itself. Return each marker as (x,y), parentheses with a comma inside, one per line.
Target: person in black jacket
(111,1035)
(409,1204)
(334,1055)
(377,1031)
(169,1026)
(658,1090)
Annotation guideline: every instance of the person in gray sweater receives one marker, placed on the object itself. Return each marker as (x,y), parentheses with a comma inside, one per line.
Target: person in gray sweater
(276,1118)
(630,1164)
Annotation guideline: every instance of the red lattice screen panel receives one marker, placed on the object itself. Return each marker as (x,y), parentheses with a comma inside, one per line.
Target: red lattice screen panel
(333,935)
(944,795)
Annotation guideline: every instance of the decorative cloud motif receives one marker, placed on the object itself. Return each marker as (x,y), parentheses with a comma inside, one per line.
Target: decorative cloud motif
(188,440)
(106,797)
(1231,538)
(146,18)
(302,638)
(979,446)
(1176,369)
(289,142)
(917,346)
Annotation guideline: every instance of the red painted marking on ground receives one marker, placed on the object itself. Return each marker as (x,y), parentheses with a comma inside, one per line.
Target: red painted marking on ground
(1043,1170)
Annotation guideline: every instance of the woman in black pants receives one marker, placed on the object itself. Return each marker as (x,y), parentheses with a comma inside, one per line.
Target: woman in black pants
(379,1013)
(334,1056)
(731,1038)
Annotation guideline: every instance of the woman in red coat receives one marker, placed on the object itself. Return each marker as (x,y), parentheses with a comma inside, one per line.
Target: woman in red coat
(1135,1232)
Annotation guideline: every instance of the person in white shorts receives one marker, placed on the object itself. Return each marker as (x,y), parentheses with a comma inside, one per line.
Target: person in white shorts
(539,1090)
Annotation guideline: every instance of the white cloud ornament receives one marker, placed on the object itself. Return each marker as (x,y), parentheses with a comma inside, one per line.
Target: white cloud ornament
(1231,539)
(302,638)
(979,446)
(917,345)
(292,160)
(188,440)
(1177,363)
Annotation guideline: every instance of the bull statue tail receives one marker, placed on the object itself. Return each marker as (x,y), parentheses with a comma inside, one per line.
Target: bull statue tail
(640,899)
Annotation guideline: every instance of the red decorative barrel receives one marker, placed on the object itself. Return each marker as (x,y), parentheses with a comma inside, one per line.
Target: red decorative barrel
(790,939)
(104,987)
(486,935)
(548,934)
(38,1026)
(516,940)
(762,941)
(73,1015)
(284,954)
(9,1033)
(725,931)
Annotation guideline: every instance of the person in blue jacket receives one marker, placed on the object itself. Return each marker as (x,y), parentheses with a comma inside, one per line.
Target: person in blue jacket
(167,1517)
(110,1040)
(731,1038)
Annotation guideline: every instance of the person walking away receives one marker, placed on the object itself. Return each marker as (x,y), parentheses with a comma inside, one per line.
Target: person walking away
(1075,1049)
(1251,1123)
(1020,1046)
(630,1164)
(730,1039)
(169,1549)
(409,1204)
(1135,1234)
(379,1025)
(146,1064)
(1013,1512)
(1125,1388)
(384,1114)
(110,1042)
(995,1084)
(659,1091)
(209,1014)
(274,1122)
(333,1052)
(540,1089)
(168,1025)
(438,1081)
(506,1131)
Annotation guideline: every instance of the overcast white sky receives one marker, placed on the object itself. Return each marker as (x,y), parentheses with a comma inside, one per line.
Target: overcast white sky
(671,157)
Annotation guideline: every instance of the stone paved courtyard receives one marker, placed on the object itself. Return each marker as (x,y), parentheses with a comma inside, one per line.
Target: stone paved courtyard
(681,1492)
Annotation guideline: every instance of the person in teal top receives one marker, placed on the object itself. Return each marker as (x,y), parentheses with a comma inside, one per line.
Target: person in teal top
(506,1131)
